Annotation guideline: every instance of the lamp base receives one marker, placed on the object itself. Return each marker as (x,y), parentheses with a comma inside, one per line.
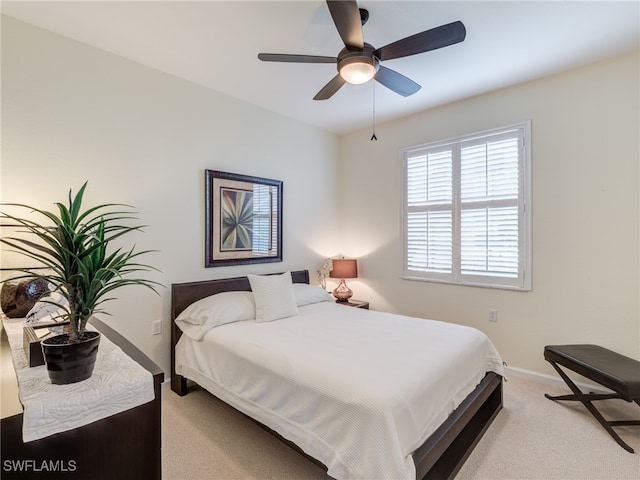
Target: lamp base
(342,292)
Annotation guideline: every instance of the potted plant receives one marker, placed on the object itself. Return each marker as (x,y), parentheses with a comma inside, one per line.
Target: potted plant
(72,254)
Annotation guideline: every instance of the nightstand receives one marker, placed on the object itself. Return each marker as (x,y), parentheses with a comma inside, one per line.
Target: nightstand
(355,303)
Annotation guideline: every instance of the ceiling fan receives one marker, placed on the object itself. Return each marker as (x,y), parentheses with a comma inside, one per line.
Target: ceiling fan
(359,62)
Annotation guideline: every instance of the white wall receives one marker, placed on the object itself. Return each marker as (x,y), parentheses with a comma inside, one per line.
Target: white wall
(585,132)
(72,113)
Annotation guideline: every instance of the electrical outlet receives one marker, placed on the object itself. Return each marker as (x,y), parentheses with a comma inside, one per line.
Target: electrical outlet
(493,315)
(156,327)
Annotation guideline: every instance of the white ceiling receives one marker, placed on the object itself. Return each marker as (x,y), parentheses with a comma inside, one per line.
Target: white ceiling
(215,44)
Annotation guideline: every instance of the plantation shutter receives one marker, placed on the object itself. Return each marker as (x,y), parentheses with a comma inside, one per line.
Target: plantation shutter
(489,190)
(464,211)
(430,211)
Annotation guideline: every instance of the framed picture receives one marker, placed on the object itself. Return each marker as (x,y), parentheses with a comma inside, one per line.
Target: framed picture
(243,219)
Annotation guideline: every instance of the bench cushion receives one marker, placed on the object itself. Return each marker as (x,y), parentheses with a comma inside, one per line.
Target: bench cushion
(610,369)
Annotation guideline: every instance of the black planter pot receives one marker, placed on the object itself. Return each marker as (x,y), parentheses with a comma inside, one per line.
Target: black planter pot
(70,362)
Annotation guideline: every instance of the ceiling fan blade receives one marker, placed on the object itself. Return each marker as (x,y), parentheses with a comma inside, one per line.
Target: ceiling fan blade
(396,82)
(346,16)
(284,57)
(433,39)
(330,88)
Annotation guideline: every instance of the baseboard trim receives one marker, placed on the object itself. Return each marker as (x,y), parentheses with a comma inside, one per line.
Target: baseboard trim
(553,381)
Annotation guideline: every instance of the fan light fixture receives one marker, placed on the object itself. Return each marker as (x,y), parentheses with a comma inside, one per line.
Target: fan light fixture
(358,69)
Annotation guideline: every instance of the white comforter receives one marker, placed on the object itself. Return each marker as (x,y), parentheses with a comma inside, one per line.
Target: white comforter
(359,390)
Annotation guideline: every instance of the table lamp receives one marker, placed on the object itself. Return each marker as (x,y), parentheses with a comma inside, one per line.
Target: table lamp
(343,268)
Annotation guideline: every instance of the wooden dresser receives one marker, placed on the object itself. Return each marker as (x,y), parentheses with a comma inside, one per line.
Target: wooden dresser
(123,446)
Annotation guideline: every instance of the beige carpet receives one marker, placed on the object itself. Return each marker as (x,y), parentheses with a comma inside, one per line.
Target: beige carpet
(532,438)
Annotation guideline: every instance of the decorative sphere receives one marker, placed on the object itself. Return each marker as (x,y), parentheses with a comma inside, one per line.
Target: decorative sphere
(18,298)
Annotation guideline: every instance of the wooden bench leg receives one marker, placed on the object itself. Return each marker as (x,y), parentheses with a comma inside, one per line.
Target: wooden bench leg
(586,399)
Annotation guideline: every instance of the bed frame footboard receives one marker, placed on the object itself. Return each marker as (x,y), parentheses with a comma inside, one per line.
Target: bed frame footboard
(446,450)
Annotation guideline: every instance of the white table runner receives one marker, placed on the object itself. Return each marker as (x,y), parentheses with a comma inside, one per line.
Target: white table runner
(118,383)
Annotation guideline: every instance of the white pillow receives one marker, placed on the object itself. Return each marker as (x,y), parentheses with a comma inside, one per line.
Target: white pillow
(219,309)
(306,294)
(273,296)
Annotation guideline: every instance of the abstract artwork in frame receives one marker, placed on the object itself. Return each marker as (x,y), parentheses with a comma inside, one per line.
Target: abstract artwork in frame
(243,222)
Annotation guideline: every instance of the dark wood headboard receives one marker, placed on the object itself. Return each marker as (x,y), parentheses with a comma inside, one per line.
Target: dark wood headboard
(184,294)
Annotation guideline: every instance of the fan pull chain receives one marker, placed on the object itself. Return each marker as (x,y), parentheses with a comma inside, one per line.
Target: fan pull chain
(373,137)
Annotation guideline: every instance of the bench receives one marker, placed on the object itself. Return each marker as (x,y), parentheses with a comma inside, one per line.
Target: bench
(610,369)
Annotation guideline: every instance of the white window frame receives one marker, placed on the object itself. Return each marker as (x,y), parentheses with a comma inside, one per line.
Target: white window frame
(523,280)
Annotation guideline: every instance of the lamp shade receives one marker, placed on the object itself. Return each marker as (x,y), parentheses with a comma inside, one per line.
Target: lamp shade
(344,268)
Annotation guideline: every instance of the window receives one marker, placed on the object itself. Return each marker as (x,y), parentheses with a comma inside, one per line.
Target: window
(466,209)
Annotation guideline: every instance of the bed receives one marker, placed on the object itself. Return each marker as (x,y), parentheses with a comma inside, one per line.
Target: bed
(349,410)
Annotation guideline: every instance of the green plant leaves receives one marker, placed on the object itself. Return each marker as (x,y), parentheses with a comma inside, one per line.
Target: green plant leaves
(73,249)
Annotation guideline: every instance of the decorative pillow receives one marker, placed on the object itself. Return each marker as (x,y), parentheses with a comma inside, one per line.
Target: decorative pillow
(306,294)
(273,295)
(219,309)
